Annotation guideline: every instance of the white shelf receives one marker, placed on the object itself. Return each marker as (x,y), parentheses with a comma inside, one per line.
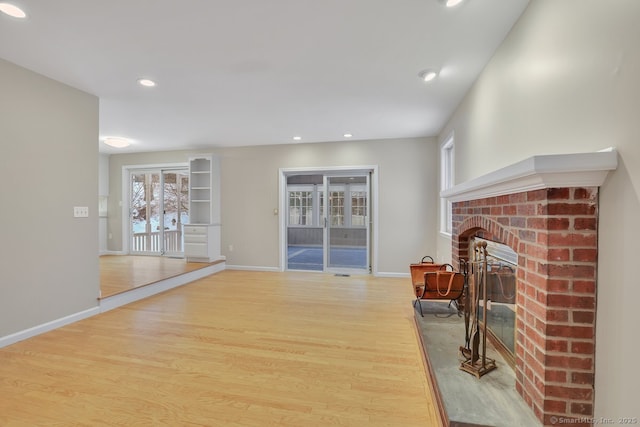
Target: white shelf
(202,234)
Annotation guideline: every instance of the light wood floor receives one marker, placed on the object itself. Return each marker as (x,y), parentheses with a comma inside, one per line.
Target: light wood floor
(121,273)
(234,349)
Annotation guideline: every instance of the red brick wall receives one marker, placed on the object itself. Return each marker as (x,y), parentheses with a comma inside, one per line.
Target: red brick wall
(554,232)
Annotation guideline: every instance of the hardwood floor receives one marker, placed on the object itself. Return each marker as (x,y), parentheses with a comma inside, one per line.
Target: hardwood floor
(234,349)
(121,273)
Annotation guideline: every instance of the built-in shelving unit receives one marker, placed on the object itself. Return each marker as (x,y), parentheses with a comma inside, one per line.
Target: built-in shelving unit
(202,234)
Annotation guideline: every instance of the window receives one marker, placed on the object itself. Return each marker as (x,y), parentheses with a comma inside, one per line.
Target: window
(300,207)
(337,208)
(446,182)
(345,204)
(358,208)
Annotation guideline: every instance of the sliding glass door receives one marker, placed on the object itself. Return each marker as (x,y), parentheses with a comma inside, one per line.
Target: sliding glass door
(328,223)
(158,206)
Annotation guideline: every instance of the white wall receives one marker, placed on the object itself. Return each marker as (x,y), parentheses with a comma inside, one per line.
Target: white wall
(48,165)
(249,175)
(566,80)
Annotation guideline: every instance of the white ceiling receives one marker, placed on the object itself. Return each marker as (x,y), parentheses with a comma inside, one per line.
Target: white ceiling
(251,72)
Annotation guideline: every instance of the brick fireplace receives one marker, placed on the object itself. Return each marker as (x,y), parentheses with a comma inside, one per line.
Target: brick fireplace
(546,209)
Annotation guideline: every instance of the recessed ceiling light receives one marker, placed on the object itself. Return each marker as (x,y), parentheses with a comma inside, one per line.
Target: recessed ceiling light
(147,82)
(297,138)
(117,142)
(427,75)
(347,135)
(12,10)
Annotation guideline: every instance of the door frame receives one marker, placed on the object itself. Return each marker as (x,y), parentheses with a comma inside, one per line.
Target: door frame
(125,203)
(333,171)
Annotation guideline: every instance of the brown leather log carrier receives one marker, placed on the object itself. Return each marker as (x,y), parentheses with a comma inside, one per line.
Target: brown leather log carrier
(436,281)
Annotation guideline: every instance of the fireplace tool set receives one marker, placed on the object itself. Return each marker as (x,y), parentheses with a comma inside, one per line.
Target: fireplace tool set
(476,361)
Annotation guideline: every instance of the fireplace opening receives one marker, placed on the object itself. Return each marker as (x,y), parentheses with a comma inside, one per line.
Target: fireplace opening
(502,262)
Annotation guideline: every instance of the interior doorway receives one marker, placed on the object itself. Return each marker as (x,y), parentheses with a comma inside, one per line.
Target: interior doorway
(327,221)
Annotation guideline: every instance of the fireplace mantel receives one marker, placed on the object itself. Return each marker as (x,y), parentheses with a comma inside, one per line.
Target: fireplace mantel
(538,172)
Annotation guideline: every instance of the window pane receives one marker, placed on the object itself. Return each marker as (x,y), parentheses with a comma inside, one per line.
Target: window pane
(300,208)
(358,208)
(336,199)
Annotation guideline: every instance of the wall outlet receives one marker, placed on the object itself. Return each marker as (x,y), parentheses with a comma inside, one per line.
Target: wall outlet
(80,211)
(230,248)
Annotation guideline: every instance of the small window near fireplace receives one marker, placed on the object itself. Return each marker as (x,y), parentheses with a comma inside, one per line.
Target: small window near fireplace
(502,262)
(446,182)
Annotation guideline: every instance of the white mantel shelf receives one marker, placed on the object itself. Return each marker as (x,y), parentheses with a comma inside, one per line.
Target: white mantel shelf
(538,172)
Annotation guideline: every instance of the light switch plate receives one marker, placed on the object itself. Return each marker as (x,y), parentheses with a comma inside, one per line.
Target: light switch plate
(80,211)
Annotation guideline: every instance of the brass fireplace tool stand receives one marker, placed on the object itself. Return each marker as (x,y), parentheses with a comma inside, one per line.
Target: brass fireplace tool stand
(476,361)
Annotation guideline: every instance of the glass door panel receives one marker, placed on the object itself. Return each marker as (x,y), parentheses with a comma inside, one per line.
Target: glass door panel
(175,210)
(347,242)
(158,206)
(144,211)
(304,224)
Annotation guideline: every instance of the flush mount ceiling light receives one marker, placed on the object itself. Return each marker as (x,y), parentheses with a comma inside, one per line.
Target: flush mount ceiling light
(347,135)
(451,3)
(297,138)
(428,75)
(117,142)
(12,10)
(146,82)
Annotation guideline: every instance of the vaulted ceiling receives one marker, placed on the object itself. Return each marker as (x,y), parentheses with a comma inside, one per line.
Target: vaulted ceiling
(251,72)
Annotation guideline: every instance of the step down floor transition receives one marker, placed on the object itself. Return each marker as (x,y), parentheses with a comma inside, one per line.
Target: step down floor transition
(491,400)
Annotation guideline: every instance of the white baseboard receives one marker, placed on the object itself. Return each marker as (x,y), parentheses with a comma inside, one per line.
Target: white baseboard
(252,268)
(113,253)
(115,301)
(276,269)
(390,274)
(46,327)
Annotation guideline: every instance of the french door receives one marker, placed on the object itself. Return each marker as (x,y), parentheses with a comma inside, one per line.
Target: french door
(159,205)
(328,222)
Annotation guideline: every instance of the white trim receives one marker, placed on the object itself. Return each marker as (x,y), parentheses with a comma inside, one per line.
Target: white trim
(115,301)
(445,235)
(107,252)
(447,179)
(393,275)
(334,170)
(48,326)
(374,206)
(538,172)
(253,268)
